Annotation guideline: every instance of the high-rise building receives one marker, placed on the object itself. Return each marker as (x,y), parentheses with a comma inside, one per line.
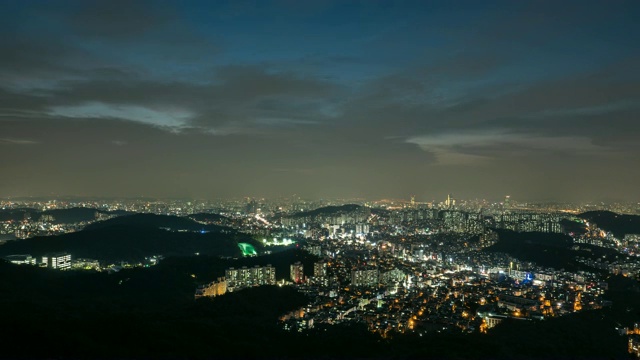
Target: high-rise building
(362,228)
(364,277)
(61,261)
(246,277)
(320,269)
(265,275)
(488,238)
(507,202)
(232,276)
(450,202)
(297,272)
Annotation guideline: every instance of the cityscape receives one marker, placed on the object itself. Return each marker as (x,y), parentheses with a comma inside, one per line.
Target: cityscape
(321,179)
(394,267)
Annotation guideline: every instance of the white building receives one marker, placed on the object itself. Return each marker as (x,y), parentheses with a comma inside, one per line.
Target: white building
(246,277)
(61,261)
(21,259)
(364,277)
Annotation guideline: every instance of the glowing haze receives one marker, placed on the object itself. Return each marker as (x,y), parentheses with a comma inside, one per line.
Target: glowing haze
(536,99)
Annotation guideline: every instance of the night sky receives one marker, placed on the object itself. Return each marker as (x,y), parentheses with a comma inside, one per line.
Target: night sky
(539,100)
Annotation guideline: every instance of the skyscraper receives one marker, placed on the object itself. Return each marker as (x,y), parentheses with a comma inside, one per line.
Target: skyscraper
(450,202)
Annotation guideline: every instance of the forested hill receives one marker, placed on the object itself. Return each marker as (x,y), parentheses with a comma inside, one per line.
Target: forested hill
(153,221)
(618,224)
(131,238)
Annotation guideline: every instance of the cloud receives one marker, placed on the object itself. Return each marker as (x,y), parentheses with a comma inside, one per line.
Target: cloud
(478,89)
(477,148)
(279,122)
(172,119)
(236,99)
(7,141)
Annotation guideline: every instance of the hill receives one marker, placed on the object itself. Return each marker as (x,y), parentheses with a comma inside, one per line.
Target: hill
(618,224)
(576,228)
(16,214)
(138,313)
(78,214)
(153,221)
(129,244)
(546,249)
(150,313)
(328,211)
(131,238)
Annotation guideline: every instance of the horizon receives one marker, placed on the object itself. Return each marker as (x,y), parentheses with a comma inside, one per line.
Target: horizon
(292,198)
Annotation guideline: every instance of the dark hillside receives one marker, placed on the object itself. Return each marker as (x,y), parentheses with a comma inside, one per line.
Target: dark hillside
(618,224)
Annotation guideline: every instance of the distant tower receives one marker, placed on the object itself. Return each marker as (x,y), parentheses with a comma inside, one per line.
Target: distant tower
(413,201)
(507,201)
(450,201)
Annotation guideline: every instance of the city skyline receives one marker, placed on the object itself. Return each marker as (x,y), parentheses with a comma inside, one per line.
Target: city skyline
(536,100)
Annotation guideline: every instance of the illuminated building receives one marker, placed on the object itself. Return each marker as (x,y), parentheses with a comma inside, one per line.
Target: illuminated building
(22,233)
(320,269)
(265,275)
(246,277)
(516,302)
(488,238)
(314,249)
(215,288)
(492,321)
(450,202)
(320,276)
(362,228)
(364,277)
(547,308)
(634,345)
(86,264)
(297,272)
(61,261)
(21,259)
(577,305)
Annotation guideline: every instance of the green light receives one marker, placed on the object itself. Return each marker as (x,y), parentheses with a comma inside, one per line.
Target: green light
(247,249)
